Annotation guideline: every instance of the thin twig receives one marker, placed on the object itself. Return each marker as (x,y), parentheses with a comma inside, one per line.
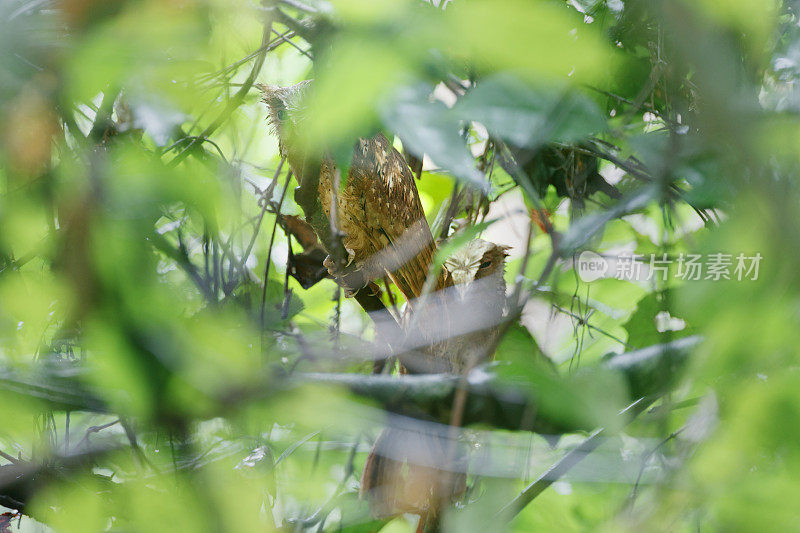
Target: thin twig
(181,257)
(646,459)
(234,102)
(285,38)
(287,292)
(291,449)
(9,458)
(269,251)
(233,66)
(585,322)
(336,238)
(455,199)
(562,466)
(267,194)
(94,429)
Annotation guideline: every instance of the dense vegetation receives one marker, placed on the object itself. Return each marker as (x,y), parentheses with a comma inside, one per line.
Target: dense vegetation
(172,356)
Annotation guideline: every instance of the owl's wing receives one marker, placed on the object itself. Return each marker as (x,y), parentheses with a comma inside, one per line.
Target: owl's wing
(394,214)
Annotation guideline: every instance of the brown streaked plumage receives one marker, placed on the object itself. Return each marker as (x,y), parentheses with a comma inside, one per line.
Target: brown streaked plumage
(379,211)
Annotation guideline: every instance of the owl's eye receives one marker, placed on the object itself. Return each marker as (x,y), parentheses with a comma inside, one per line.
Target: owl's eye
(281,114)
(485,264)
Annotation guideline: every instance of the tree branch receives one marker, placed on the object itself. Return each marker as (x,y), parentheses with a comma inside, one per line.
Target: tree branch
(492,400)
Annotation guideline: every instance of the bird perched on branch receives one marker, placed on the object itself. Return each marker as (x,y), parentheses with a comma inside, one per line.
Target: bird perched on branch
(477,271)
(384,229)
(419,469)
(377,211)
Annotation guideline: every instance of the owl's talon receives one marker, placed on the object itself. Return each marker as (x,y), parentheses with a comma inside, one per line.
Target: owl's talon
(329,264)
(349,278)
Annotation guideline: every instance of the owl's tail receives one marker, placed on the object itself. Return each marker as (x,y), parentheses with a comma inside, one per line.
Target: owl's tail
(404,473)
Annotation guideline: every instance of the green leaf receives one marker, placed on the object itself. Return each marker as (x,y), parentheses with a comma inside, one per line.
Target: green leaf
(431,128)
(641,326)
(459,241)
(524,115)
(586,227)
(538,40)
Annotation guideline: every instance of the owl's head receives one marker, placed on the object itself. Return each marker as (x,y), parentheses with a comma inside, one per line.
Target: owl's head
(284,108)
(477,269)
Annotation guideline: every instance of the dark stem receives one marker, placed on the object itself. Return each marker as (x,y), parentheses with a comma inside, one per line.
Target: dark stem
(269,251)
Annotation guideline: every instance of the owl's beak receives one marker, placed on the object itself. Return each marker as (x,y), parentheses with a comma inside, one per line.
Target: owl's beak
(462,280)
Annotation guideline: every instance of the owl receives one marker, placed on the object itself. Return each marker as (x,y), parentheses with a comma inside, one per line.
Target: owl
(385,231)
(402,473)
(476,302)
(378,209)
(455,327)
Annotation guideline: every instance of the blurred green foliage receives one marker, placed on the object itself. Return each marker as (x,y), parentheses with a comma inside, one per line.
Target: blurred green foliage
(159,357)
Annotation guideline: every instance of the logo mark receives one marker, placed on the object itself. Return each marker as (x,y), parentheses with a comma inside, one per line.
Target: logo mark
(591,266)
